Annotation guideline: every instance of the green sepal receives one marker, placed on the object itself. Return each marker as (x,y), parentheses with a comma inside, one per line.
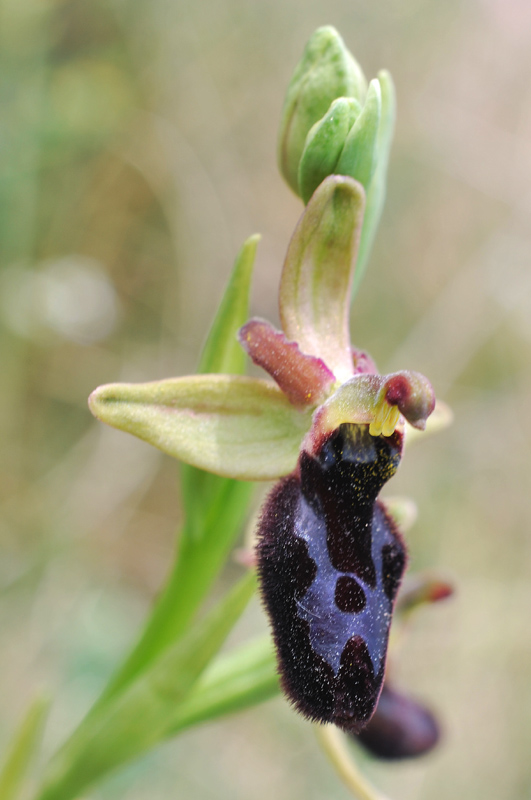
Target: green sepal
(237,680)
(227,424)
(21,750)
(378,187)
(314,295)
(359,156)
(326,71)
(324,144)
(141,716)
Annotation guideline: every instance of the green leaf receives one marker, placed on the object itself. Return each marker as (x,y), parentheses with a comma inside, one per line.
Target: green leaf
(233,682)
(230,425)
(324,145)
(377,190)
(360,153)
(325,72)
(22,749)
(203,549)
(314,294)
(212,524)
(141,716)
(222,351)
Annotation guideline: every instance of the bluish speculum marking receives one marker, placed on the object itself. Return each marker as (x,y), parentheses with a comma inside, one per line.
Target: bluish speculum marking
(350,470)
(330,628)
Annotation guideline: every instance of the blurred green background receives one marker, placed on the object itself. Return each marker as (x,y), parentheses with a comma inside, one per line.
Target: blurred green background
(137,152)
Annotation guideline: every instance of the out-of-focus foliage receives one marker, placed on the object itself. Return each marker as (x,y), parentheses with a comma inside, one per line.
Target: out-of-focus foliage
(137,151)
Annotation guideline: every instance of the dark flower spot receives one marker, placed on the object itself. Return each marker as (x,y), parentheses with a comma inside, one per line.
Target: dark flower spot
(393,562)
(357,686)
(349,540)
(349,595)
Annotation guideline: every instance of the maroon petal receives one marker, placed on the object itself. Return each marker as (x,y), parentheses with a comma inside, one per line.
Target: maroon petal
(363,363)
(306,380)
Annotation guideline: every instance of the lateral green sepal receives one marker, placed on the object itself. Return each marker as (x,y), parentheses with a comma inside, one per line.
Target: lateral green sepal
(231,425)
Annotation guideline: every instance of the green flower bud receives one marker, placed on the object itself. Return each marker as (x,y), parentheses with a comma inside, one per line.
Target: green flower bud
(324,144)
(359,156)
(326,71)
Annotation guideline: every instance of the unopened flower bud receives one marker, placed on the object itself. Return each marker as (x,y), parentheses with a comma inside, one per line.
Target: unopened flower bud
(325,72)
(400,727)
(325,143)
(359,156)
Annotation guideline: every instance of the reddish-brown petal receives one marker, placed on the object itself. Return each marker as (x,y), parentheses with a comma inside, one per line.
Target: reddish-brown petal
(304,379)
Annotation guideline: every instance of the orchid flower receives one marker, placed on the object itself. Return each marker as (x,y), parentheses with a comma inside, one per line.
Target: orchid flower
(330,557)
(253,429)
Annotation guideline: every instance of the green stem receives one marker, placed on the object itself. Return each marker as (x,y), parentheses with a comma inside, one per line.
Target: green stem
(332,742)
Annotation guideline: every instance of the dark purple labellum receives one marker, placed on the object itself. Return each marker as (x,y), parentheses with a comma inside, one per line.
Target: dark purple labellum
(330,561)
(400,728)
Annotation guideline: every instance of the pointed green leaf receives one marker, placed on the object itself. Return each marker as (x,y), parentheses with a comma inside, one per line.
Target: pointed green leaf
(314,294)
(22,749)
(324,145)
(222,351)
(141,716)
(203,548)
(211,523)
(326,71)
(233,682)
(377,190)
(230,425)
